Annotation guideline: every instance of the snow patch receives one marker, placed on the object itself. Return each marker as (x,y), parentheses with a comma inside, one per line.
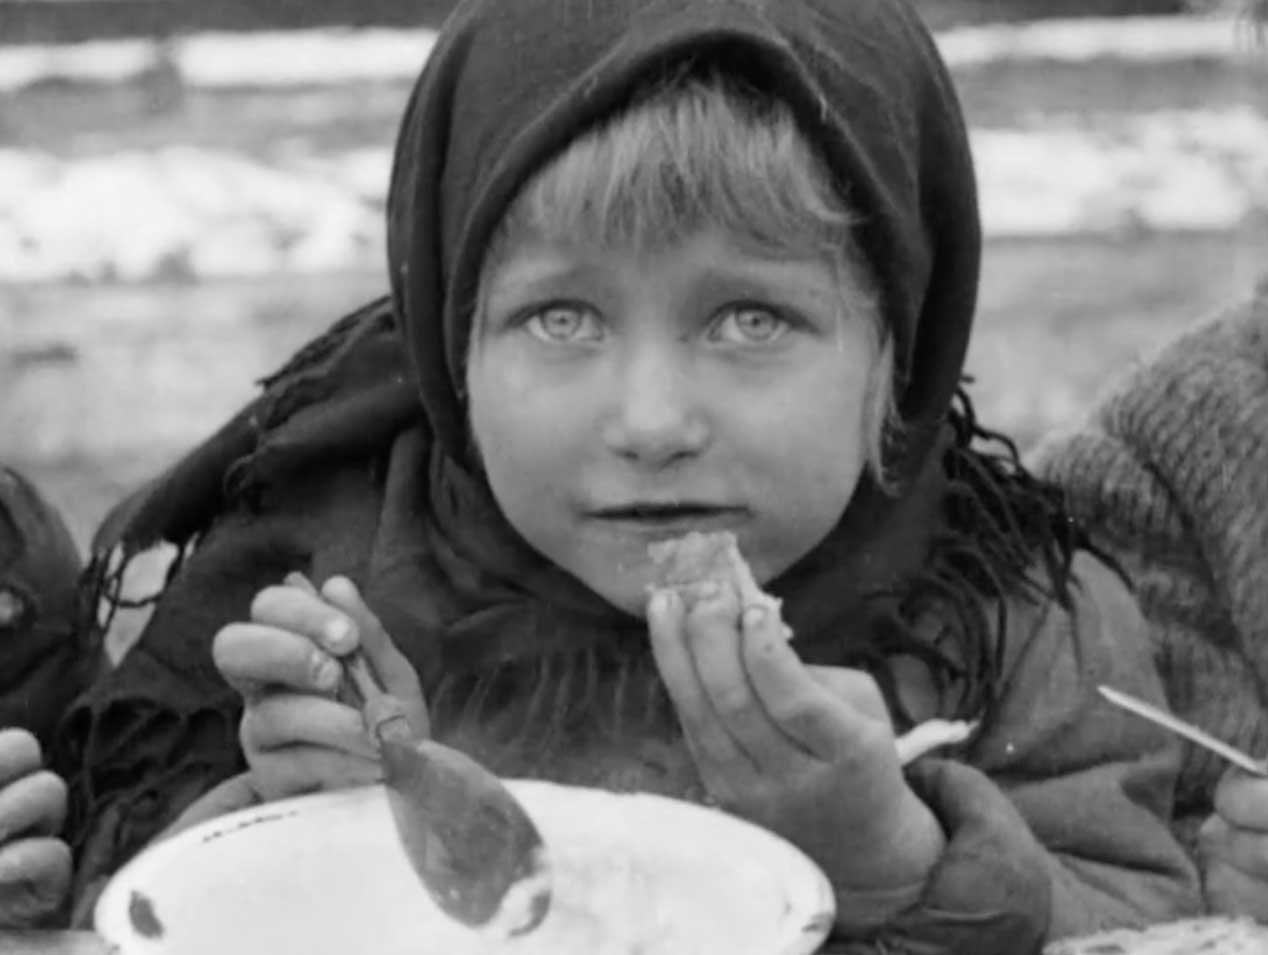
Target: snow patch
(182,210)
(1171,170)
(334,56)
(206,213)
(304,58)
(1153,39)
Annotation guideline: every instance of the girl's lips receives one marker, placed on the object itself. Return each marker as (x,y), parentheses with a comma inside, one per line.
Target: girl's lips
(669,521)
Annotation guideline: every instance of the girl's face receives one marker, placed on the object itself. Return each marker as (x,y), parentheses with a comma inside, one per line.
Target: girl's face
(619,399)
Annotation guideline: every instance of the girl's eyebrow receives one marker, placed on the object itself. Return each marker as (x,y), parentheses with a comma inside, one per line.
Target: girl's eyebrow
(536,270)
(768,275)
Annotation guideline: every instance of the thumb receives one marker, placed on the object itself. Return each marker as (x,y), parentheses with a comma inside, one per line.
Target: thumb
(34,881)
(1242,799)
(393,670)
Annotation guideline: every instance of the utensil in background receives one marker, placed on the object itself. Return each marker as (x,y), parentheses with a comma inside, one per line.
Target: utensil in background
(473,845)
(1190,732)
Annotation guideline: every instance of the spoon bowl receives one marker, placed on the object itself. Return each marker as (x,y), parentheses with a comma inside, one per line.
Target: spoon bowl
(476,850)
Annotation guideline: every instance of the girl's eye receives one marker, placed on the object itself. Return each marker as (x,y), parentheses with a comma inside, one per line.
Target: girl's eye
(750,325)
(565,324)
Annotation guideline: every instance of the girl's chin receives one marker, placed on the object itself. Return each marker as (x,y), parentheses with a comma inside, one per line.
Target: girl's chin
(626,591)
(630,601)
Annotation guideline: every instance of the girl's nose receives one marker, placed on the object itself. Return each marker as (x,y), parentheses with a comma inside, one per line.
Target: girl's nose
(657,418)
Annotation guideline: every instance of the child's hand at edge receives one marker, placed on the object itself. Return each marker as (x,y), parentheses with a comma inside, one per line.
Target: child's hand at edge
(776,743)
(35,865)
(1233,847)
(296,734)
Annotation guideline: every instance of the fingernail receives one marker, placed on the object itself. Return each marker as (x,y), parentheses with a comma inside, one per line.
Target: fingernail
(341,589)
(325,672)
(661,603)
(754,617)
(337,634)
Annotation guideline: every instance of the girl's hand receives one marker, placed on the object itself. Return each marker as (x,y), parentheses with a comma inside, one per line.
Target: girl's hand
(809,755)
(296,734)
(1233,846)
(35,866)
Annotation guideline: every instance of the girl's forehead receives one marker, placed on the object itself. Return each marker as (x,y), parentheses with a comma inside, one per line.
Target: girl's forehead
(714,251)
(520,247)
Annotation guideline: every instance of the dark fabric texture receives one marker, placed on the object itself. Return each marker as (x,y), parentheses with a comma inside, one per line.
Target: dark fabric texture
(1056,815)
(46,655)
(988,893)
(354,458)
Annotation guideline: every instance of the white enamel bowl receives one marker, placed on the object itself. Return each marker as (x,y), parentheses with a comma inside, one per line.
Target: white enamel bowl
(325,875)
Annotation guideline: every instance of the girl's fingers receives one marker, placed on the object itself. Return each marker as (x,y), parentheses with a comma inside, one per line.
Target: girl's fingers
(253,657)
(856,688)
(1242,799)
(32,806)
(298,608)
(281,720)
(34,880)
(710,742)
(393,669)
(1247,851)
(296,579)
(300,769)
(796,702)
(715,642)
(19,754)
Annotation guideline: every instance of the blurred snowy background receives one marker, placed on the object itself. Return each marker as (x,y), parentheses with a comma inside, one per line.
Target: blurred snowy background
(188,192)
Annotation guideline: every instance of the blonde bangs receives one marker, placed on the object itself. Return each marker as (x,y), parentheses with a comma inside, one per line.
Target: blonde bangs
(695,154)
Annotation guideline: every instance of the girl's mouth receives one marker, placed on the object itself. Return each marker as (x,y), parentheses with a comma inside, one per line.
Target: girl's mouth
(669,519)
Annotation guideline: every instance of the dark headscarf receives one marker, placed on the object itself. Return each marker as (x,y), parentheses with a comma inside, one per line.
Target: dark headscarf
(338,468)
(498,633)
(508,86)
(512,82)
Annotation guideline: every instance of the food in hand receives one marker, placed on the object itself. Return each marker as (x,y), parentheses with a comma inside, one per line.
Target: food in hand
(683,563)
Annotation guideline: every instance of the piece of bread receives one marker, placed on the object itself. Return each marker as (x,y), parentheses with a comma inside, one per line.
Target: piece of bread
(684,562)
(1204,936)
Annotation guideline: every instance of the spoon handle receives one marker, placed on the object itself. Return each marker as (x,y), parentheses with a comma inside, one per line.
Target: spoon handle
(1190,732)
(382,713)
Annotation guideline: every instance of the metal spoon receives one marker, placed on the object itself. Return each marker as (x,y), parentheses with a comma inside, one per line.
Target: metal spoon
(1190,732)
(476,850)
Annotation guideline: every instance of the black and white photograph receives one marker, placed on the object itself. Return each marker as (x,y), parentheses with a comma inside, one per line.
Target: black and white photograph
(406,549)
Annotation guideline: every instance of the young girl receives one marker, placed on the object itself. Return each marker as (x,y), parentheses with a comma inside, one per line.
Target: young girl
(661,267)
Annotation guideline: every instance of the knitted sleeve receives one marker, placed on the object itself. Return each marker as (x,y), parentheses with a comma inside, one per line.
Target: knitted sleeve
(1170,475)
